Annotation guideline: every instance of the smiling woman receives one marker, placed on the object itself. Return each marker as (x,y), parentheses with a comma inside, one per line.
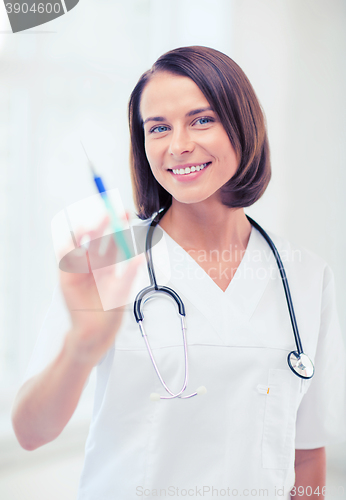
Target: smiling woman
(217,101)
(199,151)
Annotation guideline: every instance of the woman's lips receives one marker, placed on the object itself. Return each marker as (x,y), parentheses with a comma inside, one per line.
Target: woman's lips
(191,176)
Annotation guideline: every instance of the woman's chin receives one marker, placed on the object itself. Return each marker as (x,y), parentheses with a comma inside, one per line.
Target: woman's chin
(192,199)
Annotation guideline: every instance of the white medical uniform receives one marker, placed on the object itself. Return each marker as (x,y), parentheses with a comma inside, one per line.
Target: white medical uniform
(239,439)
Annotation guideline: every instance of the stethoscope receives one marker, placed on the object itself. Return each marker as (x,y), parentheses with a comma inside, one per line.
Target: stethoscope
(299,362)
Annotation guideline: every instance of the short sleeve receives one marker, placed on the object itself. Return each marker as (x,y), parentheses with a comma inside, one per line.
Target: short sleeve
(50,339)
(321,415)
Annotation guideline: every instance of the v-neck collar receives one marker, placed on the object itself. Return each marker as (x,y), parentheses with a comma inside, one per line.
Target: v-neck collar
(200,272)
(237,303)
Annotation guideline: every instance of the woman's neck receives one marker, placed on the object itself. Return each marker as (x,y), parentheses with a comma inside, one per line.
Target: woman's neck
(207,225)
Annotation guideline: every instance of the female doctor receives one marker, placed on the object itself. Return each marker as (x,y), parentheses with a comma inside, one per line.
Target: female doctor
(199,151)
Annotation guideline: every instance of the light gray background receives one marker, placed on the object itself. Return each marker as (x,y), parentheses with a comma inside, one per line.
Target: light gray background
(71,79)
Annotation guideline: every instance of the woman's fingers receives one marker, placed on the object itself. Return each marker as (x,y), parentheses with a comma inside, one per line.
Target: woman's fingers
(91,233)
(92,249)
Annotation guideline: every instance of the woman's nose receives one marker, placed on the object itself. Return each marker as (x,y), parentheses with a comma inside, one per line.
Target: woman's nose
(180,143)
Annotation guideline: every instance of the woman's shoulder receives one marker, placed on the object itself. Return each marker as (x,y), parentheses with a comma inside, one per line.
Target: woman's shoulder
(295,252)
(136,221)
(300,261)
(139,228)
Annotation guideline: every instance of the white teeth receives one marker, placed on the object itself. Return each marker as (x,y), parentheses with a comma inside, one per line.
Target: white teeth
(187,170)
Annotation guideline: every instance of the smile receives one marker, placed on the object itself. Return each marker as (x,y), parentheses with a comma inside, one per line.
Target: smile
(188,170)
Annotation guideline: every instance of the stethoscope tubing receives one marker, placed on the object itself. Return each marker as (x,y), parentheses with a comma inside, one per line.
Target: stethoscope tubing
(284,282)
(154,288)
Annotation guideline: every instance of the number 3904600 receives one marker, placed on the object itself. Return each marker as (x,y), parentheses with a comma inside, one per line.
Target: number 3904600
(40,8)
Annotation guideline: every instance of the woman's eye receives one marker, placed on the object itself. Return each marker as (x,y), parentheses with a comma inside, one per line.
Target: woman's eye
(203,121)
(160,128)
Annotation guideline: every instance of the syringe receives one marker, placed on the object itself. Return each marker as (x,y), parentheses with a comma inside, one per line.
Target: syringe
(114,220)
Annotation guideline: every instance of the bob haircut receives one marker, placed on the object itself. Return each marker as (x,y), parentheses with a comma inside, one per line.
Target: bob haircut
(232,97)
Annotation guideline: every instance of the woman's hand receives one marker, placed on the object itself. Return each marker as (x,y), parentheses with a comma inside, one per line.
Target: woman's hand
(93,329)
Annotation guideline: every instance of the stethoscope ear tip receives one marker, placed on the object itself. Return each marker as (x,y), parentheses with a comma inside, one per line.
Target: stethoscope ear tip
(154,396)
(201,390)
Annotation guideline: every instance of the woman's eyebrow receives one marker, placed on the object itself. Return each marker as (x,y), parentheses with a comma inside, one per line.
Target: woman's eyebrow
(199,110)
(190,113)
(154,119)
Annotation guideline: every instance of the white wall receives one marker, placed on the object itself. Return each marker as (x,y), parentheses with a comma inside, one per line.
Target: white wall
(71,79)
(294,53)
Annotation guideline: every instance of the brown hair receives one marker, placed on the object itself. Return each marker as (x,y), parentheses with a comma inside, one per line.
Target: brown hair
(232,97)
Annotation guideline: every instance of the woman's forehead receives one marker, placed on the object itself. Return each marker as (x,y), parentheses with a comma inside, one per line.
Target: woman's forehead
(166,92)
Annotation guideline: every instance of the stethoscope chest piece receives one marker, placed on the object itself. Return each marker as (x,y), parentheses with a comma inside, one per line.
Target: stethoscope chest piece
(301,364)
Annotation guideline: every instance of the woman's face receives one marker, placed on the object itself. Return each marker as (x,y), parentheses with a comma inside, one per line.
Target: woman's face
(183,133)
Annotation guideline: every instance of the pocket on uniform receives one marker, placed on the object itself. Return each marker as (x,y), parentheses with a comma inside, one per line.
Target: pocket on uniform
(279,420)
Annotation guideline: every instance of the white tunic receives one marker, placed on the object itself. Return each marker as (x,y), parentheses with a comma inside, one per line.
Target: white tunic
(239,439)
